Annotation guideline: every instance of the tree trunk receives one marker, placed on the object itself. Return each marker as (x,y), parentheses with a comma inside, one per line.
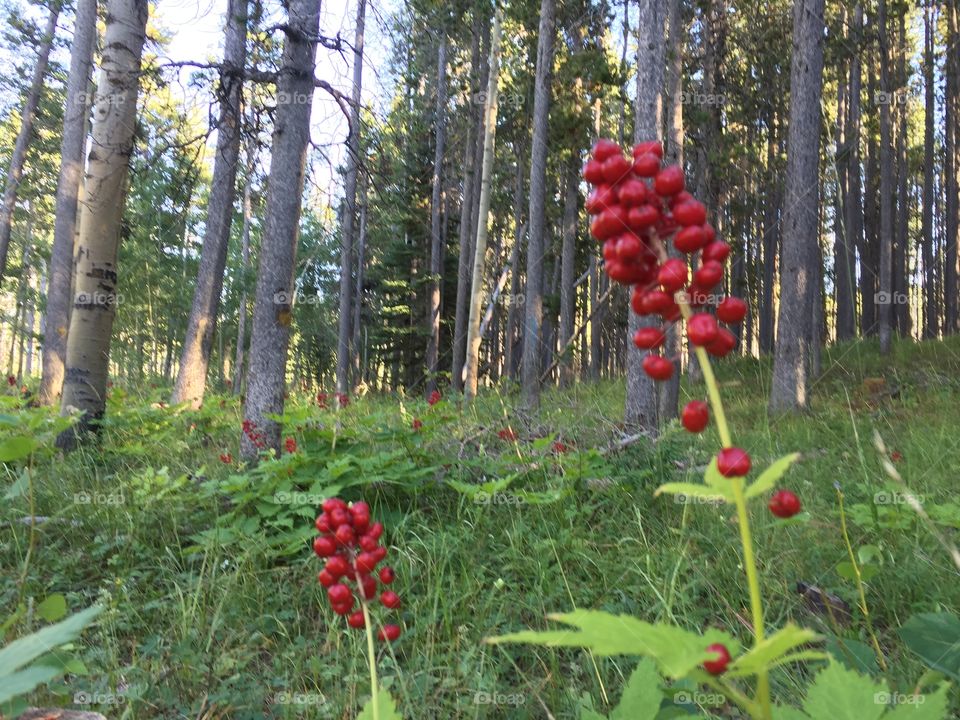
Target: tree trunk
(19,155)
(536,241)
(884,297)
(640,409)
(844,256)
(771,240)
(91,322)
(853,203)
(358,347)
(245,264)
(568,257)
(272,311)
(511,353)
(57,317)
(869,255)
(350,208)
(436,246)
(926,230)
(901,290)
(950,169)
(480,246)
(801,217)
(195,354)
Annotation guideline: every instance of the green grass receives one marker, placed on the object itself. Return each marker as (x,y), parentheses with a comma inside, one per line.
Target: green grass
(222,631)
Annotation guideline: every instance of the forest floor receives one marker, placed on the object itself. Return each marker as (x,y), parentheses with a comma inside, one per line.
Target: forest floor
(214,611)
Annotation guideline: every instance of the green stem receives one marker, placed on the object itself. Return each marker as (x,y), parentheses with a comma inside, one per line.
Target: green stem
(371,653)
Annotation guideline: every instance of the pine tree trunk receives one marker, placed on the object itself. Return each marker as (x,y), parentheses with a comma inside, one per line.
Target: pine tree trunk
(272,310)
(358,348)
(91,322)
(436,246)
(801,217)
(926,229)
(19,155)
(901,296)
(853,203)
(771,240)
(195,353)
(511,353)
(884,297)
(57,317)
(843,238)
(472,368)
(869,256)
(536,240)
(568,257)
(640,410)
(951,168)
(240,358)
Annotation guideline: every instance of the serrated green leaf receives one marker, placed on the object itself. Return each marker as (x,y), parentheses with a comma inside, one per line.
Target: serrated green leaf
(17,447)
(935,637)
(641,697)
(683,490)
(854,654)
(931,706)
(53,608)
(718,482)
(785,712)
(23,681)
(675,650)
(387,708)
(772,649)
(588,714)
(19,487)
(769,477)
(841,694)
(23,650)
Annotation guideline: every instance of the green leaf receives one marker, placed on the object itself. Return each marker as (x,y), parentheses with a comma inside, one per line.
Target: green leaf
(588,714)
(841,694)
(19,488)
(785,712)
(23,681)
(641,697)
(684,490)
(854,654)
(935,637)
(388,709)
(931,706)
(769,477)
(718,482)
(18,653)
(773,648)
(846,571)
(53,608)
(17,447)
(676,651)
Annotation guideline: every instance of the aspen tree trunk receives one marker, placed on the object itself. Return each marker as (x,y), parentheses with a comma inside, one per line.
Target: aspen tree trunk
(57,317)
(568,256)
(350,207)
(641,403)
(884,297)
(480,246)
(926,222)
(19,155)
(536,242)
(436,245)
(801,217)
(272,311)
(94,308)
(195,355)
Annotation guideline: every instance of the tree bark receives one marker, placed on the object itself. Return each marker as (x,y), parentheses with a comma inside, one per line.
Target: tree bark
(91,322)
(884,297)
(480,246)
(844,256)
(640,410)
(22,144)
(195,355)
(240,358)
(568,256)
(853,204)
(950,170)
(536,240)
(436,246)
(350,208)
(57,317)
(801,216)
(513,311)
(926,221)
(272,311)
(901,296)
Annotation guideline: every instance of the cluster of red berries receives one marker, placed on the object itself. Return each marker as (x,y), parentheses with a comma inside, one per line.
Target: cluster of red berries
(342,399)
(255,436)
(11,380)
(416,424)
(322,400)
(226,458)
(434,398)
(507,434)
(290,445)
(350,543)
(560,447)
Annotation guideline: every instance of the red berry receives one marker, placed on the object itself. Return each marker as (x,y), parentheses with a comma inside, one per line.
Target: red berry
(669,181)
(702,329)
(718,666)
(655,302)
(690,212)
(695,416)
(344,607)
(593,172)
(732,310)
(604,148)
(646,165)
(390,599)
(368,587)
(376,530)
(658,367)
(631,193)
(600,199)
(681,197)
(324,546)
(608,223)
(673,275)
(367,543)
(648,338)
(387,575)
(709,232)
(725,342)
(366,562)
(337,565)
(716,250)
(708,274)
(784,504)
(356,620)
(339,594)
(381,552)
(323,523)
(331,503)
(326,578)
(689,240)
(648,146)
(642,216)
(733,462)
(615,168)
(389,632)
(629,247)
(338,516)
(345,535)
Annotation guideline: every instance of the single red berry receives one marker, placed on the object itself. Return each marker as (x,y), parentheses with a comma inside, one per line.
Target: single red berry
(629,247)
(324,546)
(367,543)
(387,575)
(356,620)
(593,172)
(368,587)
(604,148)
(434,398)
(648,338)
(669,181)
(226,458)
(642,216)
(345,535)
(339,594)
(731,310)
(690,212)
(695,416)
(376,530)
(784,504)
(343,608)
(326,578)
(616,167)
(323,523)
(646,165)
(658,367)
(716,250)
(608,223)
(725,342)
(655,302)
(366,561)
(416,424)
(689,240)
(733,462)
(337,565)
(631,193)
(389,632)
(390,599)
(600,199)
(339,516)
(652,147)
(379,553)
(708,274)
(11,381)
(330,504)
(702,329)
(673,275)
(719,665)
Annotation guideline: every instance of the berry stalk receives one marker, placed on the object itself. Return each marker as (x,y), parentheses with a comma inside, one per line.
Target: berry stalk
(371,654)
